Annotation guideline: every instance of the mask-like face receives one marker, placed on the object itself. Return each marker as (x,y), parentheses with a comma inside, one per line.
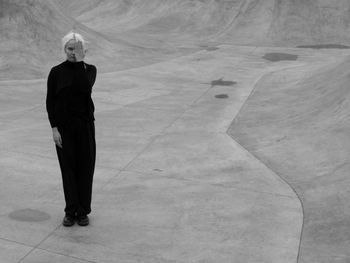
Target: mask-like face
(70,50)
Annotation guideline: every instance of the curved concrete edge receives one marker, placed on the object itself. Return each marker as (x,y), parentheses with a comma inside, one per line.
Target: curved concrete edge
(263,212)
(186,192)
(295,194)
(224,204)
(301,146)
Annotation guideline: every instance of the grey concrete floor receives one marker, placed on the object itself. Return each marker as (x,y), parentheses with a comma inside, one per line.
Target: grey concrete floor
(171,185)
(213,144)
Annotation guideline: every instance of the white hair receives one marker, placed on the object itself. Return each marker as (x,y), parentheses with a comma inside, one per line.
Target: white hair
(75,36)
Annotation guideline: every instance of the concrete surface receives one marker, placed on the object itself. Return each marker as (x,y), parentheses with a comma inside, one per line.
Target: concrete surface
(304,139)
(217,139)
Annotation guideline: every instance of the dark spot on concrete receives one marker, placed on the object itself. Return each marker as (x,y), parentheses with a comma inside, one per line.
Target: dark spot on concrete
(336,46)
(209,48)
(158,170)
(274,57)
(281,139)
(221,82)
(29,215)
(221,96)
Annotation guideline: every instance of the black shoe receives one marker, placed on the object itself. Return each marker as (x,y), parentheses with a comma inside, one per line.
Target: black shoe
(83,220)
(68,220)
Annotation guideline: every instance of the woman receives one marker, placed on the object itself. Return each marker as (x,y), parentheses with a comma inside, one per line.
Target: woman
(71,114)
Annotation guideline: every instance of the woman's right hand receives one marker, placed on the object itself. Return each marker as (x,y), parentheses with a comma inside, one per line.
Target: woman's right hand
(57,137)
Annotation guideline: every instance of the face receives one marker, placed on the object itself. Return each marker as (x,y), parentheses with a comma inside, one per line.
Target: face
(71,50)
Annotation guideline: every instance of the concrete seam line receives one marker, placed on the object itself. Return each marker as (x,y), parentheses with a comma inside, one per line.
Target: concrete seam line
(289,185)
(100,189)
(297,195)
(153,140)
(229,25)
(161,133)
(69,256)
(16,242)
(35,247)
(257,158)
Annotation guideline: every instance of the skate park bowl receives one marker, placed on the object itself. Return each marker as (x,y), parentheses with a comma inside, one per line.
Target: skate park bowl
(221,131)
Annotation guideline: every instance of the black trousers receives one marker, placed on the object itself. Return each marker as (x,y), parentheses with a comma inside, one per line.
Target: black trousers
(77,162)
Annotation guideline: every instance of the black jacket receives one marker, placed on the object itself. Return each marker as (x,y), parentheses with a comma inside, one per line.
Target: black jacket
(63,79)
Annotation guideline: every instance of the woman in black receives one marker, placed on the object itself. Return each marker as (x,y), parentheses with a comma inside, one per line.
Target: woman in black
(71,115)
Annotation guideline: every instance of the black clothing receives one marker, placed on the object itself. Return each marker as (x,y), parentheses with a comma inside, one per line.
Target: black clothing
(68,220)
(69,87)
(71,109)
(77,161)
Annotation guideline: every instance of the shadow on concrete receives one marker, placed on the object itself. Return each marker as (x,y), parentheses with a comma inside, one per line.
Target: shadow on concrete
(325,46)
(275,57)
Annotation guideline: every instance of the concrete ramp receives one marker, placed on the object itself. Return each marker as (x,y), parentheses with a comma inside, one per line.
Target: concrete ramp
(138,33)
(31,33)
(250,22)
(218,139)
(297,123)
(289,23)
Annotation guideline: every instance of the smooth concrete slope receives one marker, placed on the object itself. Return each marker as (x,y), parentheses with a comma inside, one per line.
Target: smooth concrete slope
(297,123)
(177,22)
(170,184)
(290,23)
(31,33)
(310,22)
(30,42)
(26,38)
(125,34)
(206,22)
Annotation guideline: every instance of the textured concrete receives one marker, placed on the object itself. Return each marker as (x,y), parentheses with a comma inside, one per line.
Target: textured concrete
(132,33)
(42,256)
(303,138)
(170,185)
(12,252)
(217,140)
